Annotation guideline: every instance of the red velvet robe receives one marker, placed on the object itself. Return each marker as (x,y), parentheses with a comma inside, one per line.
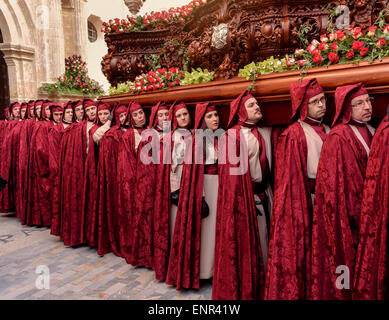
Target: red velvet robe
(23,169)
(108,215)
(335,225)
(90,194)
(9,160)
(238,269)
(143,214)
(371,267)
(126,175)
(68,221)
(38,207)
(184,261)
(288,267)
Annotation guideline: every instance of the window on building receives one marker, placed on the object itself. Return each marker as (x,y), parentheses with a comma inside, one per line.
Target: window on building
(92,32)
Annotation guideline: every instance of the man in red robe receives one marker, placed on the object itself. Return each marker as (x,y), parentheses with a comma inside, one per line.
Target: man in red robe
(108,215)
(23,163)
(127,159)
(371,266)
(244,204)
(102,125)
(297,158)
(68,221)
(338,194)
(40,182)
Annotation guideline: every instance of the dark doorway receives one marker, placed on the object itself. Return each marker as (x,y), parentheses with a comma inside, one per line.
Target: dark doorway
(4,84)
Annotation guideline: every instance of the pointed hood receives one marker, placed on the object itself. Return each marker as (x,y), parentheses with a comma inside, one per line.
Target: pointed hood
(172,113)
(300,93)
(101,106)
(201,110)
(153,121)
(343,97)
(238,109)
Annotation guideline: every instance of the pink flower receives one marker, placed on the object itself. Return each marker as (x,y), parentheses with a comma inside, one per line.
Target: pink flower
(333,57)
(334,46)
(311,47)
(323,38)
(340,35)
(372,31)
(364,51)
(290,62)
(357,45)
(298,53)
(317,59)
(332,36)
(350,54)
(323,46)
(386,29)
(357,32)
(315,43)
(302,62)
(315,52)
(381,42)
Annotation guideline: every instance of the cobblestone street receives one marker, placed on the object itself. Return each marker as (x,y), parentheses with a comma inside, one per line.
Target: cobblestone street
(75,273)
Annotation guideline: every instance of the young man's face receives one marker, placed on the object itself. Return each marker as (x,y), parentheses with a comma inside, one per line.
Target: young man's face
(38,110)
(91,112)
(23,112)
(103,116)
(79,111)
(16,112)
(68,116)
(57,116)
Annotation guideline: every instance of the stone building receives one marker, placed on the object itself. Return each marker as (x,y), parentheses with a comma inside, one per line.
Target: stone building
(37,35)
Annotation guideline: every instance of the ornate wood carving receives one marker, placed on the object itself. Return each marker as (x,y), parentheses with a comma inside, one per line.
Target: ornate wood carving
(225,35)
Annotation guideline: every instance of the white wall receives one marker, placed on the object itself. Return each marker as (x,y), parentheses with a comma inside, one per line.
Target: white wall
(110,9)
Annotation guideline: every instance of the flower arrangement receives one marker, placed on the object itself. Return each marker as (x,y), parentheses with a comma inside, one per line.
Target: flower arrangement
(197,76)
(75,80)
(150,20)
(159,79)
(121,88)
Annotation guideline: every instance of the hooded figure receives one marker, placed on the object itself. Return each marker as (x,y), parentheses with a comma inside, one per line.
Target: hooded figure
(145,180)
(68,221)
(244,204)
(339,186)
(371,266)
(193,246)
(298,150)
(9,158)
(126,175)
(108,215)
(40,183)
(90,201)
(172,154)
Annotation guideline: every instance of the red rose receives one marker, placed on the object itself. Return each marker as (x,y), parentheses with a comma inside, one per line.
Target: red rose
(323,46)
(350,54)
(105,24)
(357,45)
(334,46)
(333,57)
(170,84)
(317,59)
(340,35)
(168,75)
(177,81)
(315,52)
(381,42)
(123,21)
(364,51)
(115,27)
(117,20)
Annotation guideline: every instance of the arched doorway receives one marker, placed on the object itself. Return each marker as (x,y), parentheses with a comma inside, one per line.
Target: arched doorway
(4,83)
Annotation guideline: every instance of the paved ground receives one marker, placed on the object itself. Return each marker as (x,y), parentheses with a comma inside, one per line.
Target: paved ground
(75,273)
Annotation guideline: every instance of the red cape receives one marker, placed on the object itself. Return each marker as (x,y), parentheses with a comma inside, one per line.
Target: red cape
(371,267)
(108,216)
(38,207)
(23,169)
(288,266)
(184,261)
(126,173)
(68,221)
(238,269)
(9,160)
(335,225)
(90,193)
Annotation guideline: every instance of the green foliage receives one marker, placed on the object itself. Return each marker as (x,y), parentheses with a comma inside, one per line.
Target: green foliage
(197,76)
(154,61)
(121,88)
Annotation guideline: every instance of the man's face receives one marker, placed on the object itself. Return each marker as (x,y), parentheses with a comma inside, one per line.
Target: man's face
(32,113)
(212,120)
(23,112)
(38,110)
(362,108)
(183,118)
(68,116)
(91,112)
(103,116)
(79,111)
(163,115)
(317,106)
(16,113)
(47,112)
(253,110)
(139,118)
(122,117)
(57,116)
